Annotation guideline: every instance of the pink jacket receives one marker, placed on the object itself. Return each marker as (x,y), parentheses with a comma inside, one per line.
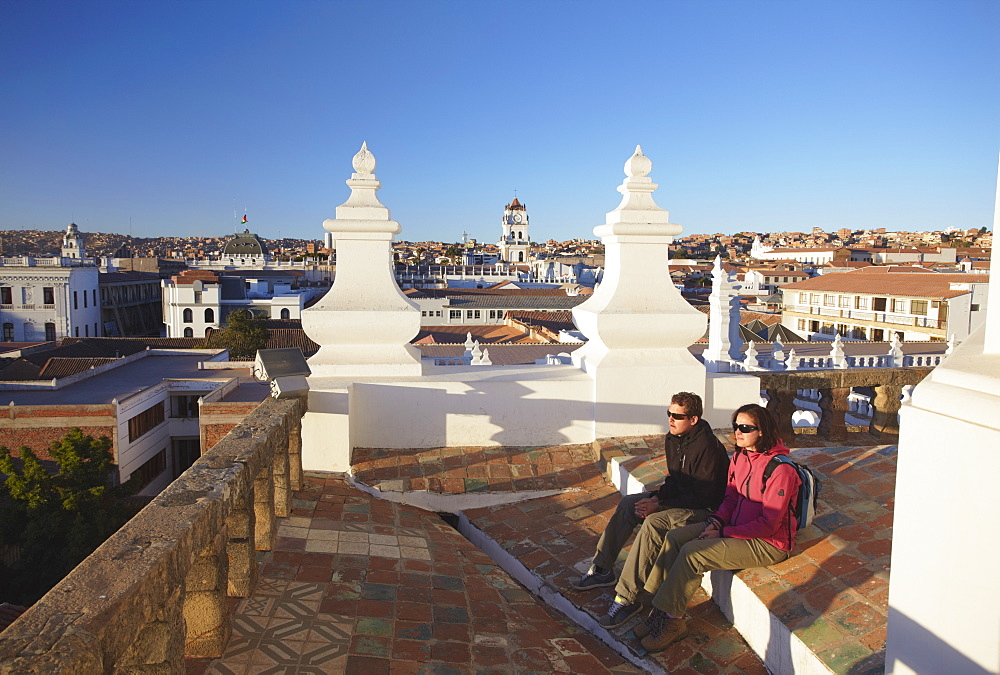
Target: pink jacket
(749,514)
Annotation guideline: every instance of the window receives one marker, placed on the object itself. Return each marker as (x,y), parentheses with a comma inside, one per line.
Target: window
(828,300)
(50,332)
(96,334)
(285,314)
(184,405)
(827,329)
(878,304)
(814,326)
(76,331)
(86,327)
(860,303)
(145,474)
(188,315)
(8,332)
(76,304)
(918,307)
(85,299)
(197,297)
(814,298)
(6,296)
(898,305)
(94,292)
(142,423)
(423,313)
(185,451)
(189,332)
(48,295)
(844,301)
(974,307)
(802,324)
(439,312)
(455,314)
(209,315)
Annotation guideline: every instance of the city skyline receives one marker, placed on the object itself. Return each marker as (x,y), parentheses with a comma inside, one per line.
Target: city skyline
(756,117)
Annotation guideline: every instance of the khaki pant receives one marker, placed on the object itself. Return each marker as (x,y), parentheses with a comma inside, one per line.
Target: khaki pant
(676,574)
(648,545)
(624,521)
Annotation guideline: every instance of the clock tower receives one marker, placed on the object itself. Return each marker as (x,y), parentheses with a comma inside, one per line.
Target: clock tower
(514,243)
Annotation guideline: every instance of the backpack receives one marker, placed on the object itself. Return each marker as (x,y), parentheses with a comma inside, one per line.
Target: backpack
(804,505)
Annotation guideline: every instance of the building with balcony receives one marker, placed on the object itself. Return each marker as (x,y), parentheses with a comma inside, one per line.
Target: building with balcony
(877,302)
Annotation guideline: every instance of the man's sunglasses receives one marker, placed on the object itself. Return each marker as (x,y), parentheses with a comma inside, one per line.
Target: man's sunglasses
(678,416)
(745,428)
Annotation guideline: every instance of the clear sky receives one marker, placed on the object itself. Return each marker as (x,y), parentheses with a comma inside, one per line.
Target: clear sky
(765,116)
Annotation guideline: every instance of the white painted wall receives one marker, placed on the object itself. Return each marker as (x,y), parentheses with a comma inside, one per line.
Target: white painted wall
(944,615)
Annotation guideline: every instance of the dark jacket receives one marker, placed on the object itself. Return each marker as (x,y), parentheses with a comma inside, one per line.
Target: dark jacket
(697,464)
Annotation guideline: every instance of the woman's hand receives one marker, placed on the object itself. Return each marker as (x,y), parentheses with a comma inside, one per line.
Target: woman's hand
(710,532)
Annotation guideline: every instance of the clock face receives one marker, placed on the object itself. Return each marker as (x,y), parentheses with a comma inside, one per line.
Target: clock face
(517,217)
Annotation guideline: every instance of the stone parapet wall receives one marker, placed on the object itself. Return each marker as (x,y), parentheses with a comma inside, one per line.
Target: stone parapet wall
(157,589)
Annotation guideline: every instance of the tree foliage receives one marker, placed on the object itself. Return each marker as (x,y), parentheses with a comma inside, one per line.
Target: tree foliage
(53,520)
(244,334)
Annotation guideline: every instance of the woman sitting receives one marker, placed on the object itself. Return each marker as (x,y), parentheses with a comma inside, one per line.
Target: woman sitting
(754,527)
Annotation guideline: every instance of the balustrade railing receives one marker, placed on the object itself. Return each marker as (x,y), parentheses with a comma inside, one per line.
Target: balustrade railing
(835,398)
(157,590)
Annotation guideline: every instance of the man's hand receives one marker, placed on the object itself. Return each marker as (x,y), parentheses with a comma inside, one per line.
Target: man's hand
(647,506)
(710,532)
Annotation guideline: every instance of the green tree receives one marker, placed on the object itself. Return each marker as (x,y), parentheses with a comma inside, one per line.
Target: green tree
(55,520)
(244,334)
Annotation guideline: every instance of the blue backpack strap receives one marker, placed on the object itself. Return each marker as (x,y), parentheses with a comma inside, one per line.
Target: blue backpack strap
(771,466)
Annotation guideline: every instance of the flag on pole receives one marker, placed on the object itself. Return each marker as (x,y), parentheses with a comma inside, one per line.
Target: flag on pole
(244,219)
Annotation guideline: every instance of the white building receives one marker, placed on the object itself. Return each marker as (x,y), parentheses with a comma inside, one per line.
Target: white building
(196,300)
(50,298)
(874,303)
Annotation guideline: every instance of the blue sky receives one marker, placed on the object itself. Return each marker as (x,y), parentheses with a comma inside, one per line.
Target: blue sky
(764,116)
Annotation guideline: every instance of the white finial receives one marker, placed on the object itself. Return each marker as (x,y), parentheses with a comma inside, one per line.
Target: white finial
(638,165)
(364,161)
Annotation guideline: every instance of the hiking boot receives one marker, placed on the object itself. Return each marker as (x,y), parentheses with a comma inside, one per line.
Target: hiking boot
(594,579)
(663,631)
(620,611)
(641,629)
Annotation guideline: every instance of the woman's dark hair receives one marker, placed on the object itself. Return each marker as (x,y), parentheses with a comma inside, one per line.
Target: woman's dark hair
(763,420)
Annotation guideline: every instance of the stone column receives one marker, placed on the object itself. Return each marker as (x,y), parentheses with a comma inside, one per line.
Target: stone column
(364,323)
(279,472)
(637,324)
(240,545)
(295,455)
(833,405)
(781,403)
(885,415)
(724,321)
(206,607)
(263,507)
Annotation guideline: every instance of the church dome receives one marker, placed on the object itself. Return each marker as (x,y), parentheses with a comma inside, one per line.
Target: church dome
(244,245)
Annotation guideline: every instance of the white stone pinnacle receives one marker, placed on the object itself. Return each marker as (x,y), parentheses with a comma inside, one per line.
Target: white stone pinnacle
(364,161)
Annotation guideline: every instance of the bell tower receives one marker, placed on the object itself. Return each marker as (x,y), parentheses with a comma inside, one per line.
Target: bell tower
(514,243)
(73,245)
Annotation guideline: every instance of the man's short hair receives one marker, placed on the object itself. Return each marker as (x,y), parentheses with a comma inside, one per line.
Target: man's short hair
(689,401)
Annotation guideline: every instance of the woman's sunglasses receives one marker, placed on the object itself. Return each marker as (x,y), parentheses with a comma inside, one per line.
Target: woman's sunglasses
(745,428)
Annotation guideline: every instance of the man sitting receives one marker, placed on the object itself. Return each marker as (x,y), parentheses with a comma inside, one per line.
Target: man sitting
(693,488)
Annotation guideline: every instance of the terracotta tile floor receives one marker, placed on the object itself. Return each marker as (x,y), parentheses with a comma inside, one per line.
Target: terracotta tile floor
(356,584)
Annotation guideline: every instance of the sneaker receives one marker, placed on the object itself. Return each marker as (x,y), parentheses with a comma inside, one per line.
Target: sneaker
(594,579)
(663,631)
(620,612)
